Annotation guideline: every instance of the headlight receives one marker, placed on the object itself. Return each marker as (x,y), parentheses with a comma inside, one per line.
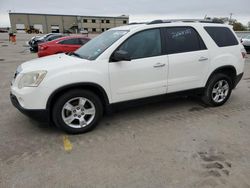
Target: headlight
(31,79)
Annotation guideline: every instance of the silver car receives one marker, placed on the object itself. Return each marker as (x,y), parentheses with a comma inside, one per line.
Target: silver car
(246,42)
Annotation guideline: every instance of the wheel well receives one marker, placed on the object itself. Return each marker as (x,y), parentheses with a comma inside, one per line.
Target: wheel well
(228,70)
(98,90)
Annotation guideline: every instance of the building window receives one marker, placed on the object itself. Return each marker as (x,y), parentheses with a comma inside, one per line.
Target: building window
(124,21)
(102,21)
(107,21)
(86,29)
(93,29)
(93,21)
(85,20)
(103,29)
(107,29)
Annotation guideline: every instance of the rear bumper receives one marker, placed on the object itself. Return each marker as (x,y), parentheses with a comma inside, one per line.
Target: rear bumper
(38,114)
(237,79)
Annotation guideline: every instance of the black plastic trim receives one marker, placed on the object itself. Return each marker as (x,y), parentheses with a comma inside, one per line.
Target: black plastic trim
(237,79)
(151,99)
(77,85)
(37,114)
(221,68)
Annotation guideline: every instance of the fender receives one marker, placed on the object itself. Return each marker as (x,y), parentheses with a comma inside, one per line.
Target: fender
(91,86)
(226,68)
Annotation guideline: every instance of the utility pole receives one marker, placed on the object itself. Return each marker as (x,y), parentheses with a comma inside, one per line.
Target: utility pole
(230,18)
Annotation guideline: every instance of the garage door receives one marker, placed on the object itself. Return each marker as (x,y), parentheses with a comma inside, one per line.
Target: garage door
(54,28)
(20,28)
(39,27)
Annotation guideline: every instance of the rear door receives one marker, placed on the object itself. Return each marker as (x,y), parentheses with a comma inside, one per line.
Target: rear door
(70,45)
(188,58)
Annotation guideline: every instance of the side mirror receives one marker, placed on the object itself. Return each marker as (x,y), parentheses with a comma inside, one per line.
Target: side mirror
(120,55)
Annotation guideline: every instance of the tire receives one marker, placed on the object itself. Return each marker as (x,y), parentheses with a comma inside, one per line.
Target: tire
(218,90)
(77,111)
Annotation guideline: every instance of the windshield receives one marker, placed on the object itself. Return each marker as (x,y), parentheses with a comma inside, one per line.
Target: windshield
(95,47)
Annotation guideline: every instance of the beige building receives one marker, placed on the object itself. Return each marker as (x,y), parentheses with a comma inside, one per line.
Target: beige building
(47,23)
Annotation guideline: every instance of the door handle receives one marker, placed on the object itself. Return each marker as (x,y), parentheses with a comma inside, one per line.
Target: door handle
(157,65)
(203,59)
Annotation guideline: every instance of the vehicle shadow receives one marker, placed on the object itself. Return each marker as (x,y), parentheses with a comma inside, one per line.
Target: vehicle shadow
(134,109)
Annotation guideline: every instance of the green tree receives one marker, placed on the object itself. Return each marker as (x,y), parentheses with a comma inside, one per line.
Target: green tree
(248,26)
(237,26)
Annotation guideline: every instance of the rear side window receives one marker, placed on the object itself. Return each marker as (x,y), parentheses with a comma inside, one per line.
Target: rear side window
(183,39)
(73,41)
(54,37)
(222,36)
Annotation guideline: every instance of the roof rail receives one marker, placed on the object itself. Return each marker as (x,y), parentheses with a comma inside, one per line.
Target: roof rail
(183,20)
(134,23)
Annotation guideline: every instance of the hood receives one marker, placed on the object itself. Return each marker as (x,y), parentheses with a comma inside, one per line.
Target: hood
(52,62)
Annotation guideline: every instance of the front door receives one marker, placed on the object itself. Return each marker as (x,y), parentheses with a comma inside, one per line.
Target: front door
(146,74)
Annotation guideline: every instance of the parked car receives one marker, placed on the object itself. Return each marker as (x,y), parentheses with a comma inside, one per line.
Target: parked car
(38,37)
(61,45)
(128,63)
(48,37)
(246,42)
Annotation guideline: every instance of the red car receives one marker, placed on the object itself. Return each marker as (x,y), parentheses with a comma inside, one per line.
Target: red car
(61,45)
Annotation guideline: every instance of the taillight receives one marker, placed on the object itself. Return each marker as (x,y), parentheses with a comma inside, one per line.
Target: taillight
(243,53)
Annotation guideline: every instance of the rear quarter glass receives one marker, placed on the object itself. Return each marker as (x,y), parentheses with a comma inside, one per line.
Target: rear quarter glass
(222,36)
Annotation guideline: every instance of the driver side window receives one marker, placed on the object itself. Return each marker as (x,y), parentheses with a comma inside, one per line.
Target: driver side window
(143,44)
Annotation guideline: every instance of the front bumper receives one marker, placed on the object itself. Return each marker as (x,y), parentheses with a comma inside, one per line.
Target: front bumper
(38,114)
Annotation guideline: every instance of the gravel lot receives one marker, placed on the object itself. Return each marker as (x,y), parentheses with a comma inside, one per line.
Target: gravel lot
(174,143)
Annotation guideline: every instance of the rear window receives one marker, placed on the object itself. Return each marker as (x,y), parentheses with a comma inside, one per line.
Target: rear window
(222,36)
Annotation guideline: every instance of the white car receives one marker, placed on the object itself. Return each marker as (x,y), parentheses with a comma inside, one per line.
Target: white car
(127,63)
(246,42)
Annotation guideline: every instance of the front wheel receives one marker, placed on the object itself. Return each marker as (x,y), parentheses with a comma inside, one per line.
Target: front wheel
(218,90)
(77,111)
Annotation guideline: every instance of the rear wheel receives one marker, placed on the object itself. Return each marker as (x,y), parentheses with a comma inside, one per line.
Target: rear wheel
(77,111)
(218,90)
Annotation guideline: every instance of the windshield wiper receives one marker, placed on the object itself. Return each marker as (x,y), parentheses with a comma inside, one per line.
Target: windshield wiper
(75,54)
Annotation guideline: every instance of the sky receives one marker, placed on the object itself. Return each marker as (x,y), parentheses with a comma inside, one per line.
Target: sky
(138,10)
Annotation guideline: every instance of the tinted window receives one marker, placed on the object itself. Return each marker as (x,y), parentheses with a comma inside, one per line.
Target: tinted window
(183,39)
(54,37)
(74,41)
(222,36)
(83,41)
(143,44)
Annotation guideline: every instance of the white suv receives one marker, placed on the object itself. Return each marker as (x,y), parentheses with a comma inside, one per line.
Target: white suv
(126,63)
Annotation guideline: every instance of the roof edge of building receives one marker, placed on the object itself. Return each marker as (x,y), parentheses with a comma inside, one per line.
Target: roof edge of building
(122,16)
